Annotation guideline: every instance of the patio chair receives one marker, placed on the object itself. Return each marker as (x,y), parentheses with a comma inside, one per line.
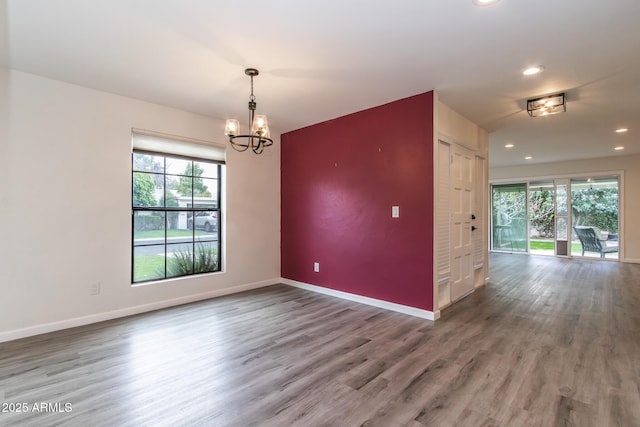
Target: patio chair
(592,243)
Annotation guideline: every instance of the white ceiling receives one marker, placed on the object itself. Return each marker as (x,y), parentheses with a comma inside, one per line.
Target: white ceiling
(321,60)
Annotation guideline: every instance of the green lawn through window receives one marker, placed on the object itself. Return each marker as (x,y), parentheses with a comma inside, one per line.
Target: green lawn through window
(542,246)
(549,246)
(148,267)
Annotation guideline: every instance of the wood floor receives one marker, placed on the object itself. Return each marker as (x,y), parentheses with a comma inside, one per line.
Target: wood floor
(549,342)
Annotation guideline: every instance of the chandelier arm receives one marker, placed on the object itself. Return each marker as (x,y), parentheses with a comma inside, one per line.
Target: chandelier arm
(256,142)
(241,150)
(262,139)
(258,148)
(238,146)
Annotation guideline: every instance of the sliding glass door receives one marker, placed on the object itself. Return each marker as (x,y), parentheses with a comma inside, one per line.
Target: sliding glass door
(509,218)
(562,217)
(594,208)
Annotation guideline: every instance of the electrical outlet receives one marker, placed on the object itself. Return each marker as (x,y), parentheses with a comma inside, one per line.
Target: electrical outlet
(94,289)
(316,267)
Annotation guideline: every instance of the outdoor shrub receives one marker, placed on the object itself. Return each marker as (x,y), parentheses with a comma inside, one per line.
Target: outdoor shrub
(206,259)
(596,207)
(183,261)
(148,222)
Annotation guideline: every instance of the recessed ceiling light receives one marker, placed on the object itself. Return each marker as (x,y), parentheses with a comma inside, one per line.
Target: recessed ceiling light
(619,148)
(484,2)
(622,130)
(528,158)
(533,70)
(509,146)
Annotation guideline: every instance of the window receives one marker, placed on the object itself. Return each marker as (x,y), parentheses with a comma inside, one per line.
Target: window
(175,214)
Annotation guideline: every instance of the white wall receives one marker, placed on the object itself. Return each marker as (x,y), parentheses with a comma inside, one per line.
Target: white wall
(65,195)
(453,127)
(630,165)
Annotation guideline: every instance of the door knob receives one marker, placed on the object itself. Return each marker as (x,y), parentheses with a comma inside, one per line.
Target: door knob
(473,216)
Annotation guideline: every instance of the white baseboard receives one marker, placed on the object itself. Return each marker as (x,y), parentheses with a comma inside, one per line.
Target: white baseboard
(631,260)
(412,311)
(129,311)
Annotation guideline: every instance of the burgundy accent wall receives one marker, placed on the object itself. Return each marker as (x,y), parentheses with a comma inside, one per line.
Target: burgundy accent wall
(340,179)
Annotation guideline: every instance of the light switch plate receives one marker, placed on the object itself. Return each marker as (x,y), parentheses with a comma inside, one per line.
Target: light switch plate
(395,211)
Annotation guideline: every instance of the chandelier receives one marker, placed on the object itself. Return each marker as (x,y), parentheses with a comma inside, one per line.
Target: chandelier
(259,136)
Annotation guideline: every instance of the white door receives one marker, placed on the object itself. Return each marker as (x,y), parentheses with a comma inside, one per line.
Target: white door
(462,203)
